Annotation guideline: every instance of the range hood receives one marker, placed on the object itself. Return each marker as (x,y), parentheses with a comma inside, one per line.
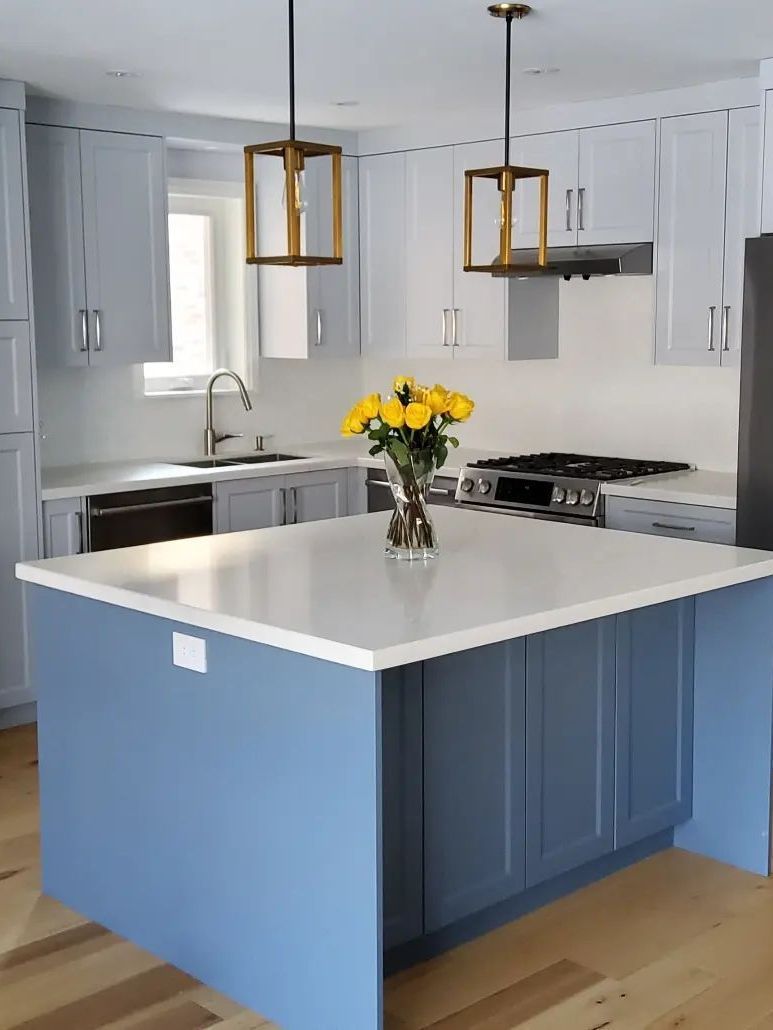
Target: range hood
(627,259)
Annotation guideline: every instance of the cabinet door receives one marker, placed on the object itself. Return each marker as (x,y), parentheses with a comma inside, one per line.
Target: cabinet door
(741,221)
(126,247)
(556,151)
(474,781)
(62,528)
(317,495)
(401,784)
(479,299)
(334,290)
(654,719)
(56,232)
(767,180)
(18,542)
(13,250)
(429,251)
(616,200)
(15,378)
(382,254)
(570,770)
(691,232)
(249,504)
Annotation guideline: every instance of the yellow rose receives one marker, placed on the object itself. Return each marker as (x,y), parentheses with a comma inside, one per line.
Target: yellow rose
(354,423)
(460,407)
(393,413)
(403,382)
(369,406)
(437,398)
(417,415)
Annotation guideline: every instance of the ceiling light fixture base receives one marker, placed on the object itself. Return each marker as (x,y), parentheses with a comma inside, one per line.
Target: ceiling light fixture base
(506,10)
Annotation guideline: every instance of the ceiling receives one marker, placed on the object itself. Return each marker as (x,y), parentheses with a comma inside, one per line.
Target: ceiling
(401,60)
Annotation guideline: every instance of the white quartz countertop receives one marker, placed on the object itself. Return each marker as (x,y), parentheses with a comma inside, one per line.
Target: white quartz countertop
(325,589)
(88,480)
(696,486)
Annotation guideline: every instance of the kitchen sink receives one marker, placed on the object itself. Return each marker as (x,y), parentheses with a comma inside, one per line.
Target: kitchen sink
(247,459)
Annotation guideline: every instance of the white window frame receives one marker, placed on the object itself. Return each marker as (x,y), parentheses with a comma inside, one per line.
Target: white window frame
(235,307)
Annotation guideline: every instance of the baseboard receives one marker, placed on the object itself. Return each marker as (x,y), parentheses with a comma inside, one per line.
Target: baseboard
(405,955)
(19,715)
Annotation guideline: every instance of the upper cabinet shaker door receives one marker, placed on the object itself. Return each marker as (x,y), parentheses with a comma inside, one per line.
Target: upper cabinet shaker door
(382,254)
(13,252)
(56,229)
(616,195)
(127,253)
(556,151)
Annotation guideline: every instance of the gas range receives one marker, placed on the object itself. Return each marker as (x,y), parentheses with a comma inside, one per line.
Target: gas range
(553,485)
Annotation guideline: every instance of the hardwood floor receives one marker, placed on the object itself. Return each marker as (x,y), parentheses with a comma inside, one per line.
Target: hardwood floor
(674,943)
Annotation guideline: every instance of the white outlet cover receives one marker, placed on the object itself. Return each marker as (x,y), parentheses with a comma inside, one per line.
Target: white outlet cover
(189,652)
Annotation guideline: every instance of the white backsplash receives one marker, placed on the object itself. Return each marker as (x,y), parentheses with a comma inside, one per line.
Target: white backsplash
(602,395)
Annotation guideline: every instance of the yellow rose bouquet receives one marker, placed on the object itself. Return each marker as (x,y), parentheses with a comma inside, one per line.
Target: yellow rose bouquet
(410,427)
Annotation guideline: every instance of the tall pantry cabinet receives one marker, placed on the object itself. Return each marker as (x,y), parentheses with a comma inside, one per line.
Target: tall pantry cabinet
(19,518)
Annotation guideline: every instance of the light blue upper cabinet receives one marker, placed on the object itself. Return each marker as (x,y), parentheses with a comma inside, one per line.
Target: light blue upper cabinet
(126,246)
(333,290)
(98,210)
(691,238)
(570,741)
(474,781)
(382,254)
(559,153)
(654,719)
(56,230)
(13,253)
(616,184)
(479,299)
(15,378)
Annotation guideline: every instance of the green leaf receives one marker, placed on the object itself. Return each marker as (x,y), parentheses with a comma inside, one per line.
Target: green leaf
(441,454)
(453,441)
(377,449)
(399,452)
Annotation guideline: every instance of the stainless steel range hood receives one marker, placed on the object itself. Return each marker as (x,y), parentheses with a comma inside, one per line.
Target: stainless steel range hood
(628,259)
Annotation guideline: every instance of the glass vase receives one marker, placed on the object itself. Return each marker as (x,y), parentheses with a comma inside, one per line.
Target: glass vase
(411,534)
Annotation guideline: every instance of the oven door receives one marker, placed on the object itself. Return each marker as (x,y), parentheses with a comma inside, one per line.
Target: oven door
(545,516)
(442,491)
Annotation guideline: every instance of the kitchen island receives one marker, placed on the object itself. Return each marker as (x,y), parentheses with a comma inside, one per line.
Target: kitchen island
(378,760)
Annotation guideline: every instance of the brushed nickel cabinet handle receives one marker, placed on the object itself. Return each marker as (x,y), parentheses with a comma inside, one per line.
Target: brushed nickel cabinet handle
(679,529)
(581,209)
(97,329)
(84,329)
(712,313)
(444,327)
(454,327)
(319,328)
(569,210)
(294,493)
(725,327)
(284,505)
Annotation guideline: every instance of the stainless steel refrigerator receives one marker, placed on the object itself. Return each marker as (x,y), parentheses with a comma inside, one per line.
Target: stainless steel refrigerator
(755,431)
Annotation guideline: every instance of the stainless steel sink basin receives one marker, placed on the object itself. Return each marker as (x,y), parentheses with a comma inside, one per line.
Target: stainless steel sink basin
(246,459)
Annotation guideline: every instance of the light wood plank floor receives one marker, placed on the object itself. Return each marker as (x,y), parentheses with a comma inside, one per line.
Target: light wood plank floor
(674,943)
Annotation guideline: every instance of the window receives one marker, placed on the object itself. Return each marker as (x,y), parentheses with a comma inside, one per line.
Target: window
(212,319)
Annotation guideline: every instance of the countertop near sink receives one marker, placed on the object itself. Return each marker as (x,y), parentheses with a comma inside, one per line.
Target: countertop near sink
(120,476)
(696,486)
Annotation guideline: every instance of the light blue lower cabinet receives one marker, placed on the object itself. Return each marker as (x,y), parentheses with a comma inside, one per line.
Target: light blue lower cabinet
(474,768)
(655,648)
(402,804)
(570,760)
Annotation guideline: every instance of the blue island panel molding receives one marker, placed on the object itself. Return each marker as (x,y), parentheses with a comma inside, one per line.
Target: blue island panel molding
(227,822)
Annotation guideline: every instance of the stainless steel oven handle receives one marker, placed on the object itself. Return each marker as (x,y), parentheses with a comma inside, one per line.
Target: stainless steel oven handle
(127,509)
(378,482)
(437,491)
(678,529)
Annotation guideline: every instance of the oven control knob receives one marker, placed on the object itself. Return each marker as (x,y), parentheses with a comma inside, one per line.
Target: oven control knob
(484,486)
(572,497)
(559,494)
(467,485)
(586,498)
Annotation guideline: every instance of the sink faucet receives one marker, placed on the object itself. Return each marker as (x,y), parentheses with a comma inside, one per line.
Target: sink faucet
(211,438)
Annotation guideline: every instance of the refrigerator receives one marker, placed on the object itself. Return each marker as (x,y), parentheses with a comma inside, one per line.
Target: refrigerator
(754,522)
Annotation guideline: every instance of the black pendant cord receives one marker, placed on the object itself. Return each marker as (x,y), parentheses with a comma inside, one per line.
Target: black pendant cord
(291,35)
(508,49)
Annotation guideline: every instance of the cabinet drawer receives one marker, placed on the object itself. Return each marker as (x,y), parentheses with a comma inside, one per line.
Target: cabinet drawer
(15,378)
(661,518)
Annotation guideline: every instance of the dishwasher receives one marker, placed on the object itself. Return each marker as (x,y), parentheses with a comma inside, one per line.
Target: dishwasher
(442,491)
(149,516)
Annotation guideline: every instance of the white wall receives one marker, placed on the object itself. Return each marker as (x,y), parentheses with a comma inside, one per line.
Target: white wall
(602,395)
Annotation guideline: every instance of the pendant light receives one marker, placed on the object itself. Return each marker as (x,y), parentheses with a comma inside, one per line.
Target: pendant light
(294,153)
(505,177)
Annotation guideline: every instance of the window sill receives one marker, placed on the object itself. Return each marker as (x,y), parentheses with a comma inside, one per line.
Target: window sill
(165,394)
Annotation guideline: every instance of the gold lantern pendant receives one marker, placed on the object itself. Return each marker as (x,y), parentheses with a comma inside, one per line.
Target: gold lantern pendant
(294,154)
(506,176)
